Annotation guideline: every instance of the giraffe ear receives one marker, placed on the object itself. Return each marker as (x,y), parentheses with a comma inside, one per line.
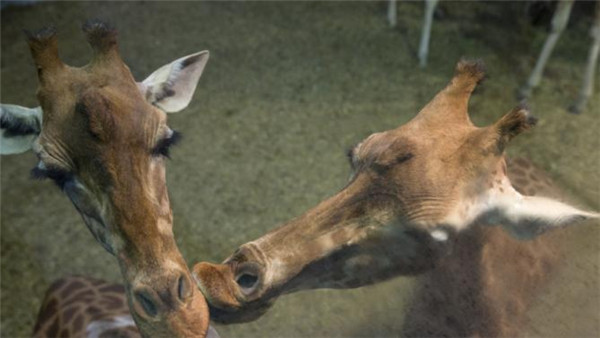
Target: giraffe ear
(172,86)
(526,217)
(19,126)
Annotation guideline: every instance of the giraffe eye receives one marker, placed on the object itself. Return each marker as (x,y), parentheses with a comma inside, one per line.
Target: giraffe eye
(164,145)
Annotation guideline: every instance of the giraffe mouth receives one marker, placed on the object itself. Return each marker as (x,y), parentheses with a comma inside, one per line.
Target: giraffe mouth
(234,291)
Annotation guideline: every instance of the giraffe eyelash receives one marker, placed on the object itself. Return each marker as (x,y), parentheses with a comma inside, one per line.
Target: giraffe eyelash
(350,155)
(164,145)
(59,176)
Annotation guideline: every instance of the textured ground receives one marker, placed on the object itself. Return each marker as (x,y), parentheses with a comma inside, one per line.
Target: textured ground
(288,88)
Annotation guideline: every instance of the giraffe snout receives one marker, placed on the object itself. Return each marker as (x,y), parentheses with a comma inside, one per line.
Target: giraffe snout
(160,297)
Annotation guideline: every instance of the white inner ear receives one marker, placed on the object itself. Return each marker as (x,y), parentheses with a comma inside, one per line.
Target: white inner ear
(524,217)
(172,86)
(13,114)
(527,217)
(15,144)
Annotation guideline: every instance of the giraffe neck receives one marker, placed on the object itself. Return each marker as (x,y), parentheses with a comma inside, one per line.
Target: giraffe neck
(488,281)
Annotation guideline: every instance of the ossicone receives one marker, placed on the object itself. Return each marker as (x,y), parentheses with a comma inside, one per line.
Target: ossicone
(101,36)
(518,120)
(451,104)
(469,72)
(44,48)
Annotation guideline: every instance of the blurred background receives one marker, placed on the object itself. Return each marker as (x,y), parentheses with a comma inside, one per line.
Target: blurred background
(288,88)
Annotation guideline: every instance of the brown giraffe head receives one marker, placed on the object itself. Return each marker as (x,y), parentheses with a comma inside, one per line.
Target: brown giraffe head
(103,138)
(411,188)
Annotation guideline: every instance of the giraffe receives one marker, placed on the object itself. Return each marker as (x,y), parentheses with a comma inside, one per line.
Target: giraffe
(421,197)
(103,139)
(559,23)
(78,306)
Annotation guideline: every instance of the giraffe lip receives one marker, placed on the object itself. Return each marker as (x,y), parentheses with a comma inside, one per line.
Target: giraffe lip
(215,283)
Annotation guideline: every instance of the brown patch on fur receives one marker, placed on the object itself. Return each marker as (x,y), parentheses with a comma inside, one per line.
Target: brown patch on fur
(521,162)
(116,288)
(53,329)
(111,305)
(48,310)
(78,323)
(68,313)
(93,311)
(521,181)
(71,288)
(83,294)
(518,172)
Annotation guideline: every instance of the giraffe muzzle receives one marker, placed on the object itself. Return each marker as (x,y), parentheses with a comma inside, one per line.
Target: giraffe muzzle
(151,300)
(235,292)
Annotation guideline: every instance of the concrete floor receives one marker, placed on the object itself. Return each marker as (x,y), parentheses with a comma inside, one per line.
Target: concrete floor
(288,88)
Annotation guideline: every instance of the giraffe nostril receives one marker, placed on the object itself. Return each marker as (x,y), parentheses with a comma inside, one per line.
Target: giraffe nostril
(248,277)
(147,304)
(247,281)
(184,290)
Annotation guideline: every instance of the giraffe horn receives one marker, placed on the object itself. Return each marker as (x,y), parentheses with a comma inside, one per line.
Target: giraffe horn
(44,48)
(518,120)
(452,102)
(102,38)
